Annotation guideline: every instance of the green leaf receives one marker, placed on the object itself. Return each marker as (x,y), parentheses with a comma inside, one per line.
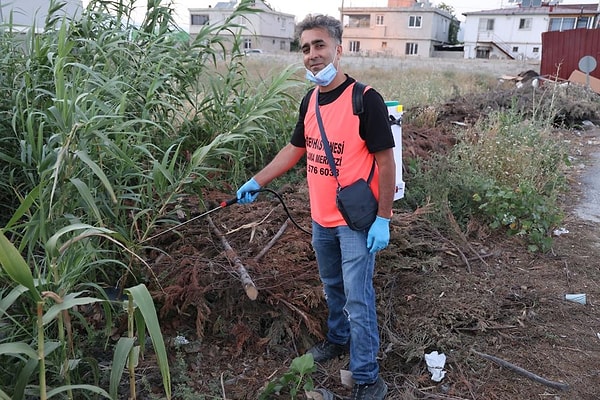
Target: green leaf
(24,378)
(18,348)
(71,300)
(16,267)
(88,230)
(304,364)
(8,301)
(25,204)
(120,355)
(91,388)
(83,156)
(86,195)
(144,302)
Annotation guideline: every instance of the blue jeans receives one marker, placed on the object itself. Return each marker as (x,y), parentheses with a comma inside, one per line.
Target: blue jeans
(346,270)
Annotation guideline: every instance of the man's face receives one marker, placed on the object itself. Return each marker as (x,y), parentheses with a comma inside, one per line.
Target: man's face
(319,49)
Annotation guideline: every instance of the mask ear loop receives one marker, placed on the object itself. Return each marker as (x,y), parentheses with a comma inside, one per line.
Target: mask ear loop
(336,56)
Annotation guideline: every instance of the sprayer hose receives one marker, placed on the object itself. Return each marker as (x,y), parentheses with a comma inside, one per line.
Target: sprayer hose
(285,208)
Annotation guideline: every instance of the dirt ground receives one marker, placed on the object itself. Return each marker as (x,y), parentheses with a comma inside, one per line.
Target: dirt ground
(464,296)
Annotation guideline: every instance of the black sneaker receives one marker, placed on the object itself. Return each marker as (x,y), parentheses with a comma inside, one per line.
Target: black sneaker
(370,391)
(326,350)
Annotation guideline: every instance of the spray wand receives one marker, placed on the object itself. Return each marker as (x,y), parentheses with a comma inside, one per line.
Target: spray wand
(223,204)
(227,203)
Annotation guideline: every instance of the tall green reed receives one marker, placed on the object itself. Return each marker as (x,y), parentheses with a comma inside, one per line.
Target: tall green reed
(105,126)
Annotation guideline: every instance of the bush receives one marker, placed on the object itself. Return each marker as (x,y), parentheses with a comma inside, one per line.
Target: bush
(505,170)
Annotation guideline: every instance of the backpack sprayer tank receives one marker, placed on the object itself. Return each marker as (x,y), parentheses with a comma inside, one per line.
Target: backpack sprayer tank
(395,111)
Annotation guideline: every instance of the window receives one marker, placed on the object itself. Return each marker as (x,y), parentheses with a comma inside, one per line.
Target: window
(247,43)
(354,46)
(583,22)
(568,23)
(412,48)
(359,21)
(515,49)
(283,45)
(535,50)
(555,24)
(414,21)
(561,24)
(384,45)
(531,3)
(486,24)
(525,24)
(483,52)
(199,19)
(379,20)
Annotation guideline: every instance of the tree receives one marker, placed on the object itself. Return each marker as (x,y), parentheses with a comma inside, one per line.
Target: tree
(454,23)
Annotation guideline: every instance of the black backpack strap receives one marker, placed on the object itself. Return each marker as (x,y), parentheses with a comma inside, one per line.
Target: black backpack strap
(357,98)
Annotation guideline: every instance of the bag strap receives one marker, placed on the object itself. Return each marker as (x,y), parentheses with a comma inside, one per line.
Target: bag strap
(326,142)
(357,98)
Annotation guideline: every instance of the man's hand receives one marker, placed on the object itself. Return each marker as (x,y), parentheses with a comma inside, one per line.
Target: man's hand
(248,192)
(379,235)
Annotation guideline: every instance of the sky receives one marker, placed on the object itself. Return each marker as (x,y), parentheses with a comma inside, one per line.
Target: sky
(303,7)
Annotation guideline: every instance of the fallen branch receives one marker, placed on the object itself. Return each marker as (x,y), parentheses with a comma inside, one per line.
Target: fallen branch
(523,372)
(272,241)
(247,282)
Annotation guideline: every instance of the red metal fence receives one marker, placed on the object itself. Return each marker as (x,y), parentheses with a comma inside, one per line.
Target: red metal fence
(561,51)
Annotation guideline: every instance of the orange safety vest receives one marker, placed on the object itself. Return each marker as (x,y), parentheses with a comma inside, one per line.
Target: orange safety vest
(349,150)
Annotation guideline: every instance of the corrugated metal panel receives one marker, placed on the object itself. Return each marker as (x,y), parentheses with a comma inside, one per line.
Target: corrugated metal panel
(561,51)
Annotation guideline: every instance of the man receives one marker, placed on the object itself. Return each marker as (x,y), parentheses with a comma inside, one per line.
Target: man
(346,258)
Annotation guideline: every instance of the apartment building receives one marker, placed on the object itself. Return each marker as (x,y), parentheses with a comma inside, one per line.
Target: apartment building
(408,28)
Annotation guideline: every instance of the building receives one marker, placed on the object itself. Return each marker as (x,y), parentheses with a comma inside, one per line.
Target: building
(25,14)
(516,32)
(268,30)
(403,28)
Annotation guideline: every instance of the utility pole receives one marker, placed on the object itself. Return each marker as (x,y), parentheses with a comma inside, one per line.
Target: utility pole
(342,14)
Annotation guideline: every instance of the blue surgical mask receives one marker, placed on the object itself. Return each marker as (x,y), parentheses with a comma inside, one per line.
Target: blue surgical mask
(324,77)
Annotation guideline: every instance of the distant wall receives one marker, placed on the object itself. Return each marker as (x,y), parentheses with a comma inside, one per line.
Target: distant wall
(448,54)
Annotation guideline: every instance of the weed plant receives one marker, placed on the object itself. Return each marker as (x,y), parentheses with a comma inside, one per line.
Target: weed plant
(506,171)
(295,381)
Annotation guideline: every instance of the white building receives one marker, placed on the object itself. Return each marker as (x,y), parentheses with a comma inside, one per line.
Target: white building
(268,30)
(24,14)
(516,32)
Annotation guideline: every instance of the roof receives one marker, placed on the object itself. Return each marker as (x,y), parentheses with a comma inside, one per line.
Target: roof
(225,5)
(411,10)
(231,5)
(560,9)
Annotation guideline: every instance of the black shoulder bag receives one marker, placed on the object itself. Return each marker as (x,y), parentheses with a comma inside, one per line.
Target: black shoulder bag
(356,202)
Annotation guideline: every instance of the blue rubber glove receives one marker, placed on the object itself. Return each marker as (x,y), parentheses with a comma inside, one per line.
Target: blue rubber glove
(379,235)
(244,194)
